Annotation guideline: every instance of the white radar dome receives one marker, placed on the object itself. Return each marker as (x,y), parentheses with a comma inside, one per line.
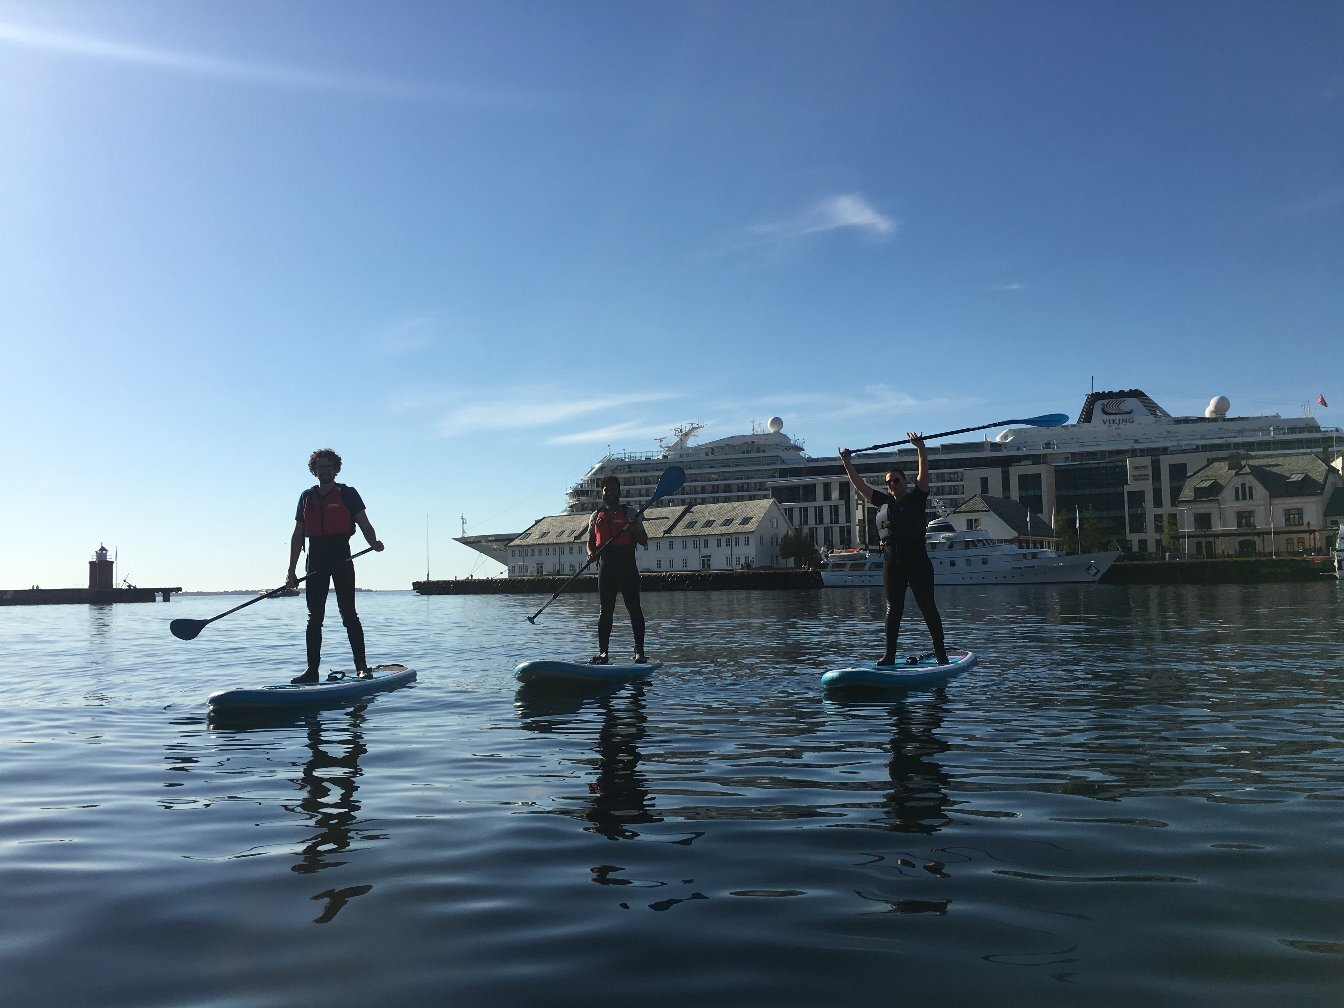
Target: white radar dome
(776,425)
(1218,406)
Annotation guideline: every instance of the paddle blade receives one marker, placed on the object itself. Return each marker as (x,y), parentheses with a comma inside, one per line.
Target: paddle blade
(186,629)
(1046,420)
(672,480)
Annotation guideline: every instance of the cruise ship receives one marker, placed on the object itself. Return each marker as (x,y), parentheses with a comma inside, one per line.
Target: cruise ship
(1124,459)
(735,468)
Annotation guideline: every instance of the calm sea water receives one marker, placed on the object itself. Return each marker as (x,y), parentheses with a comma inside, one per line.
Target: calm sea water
(1136,798)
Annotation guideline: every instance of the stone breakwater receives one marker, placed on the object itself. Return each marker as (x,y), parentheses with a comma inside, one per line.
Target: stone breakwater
(1247,570)
(712,580)
(83,596)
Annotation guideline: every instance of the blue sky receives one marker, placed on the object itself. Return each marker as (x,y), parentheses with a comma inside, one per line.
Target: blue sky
(472,246)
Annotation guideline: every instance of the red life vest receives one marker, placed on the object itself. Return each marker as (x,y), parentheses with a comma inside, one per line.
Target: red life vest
(327,515)
(612,526)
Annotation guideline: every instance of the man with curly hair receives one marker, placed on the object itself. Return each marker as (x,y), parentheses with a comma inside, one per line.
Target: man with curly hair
(327,517)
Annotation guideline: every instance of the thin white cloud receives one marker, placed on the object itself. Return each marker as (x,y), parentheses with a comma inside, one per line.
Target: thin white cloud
(1000,288)
(206,66)
(626,433)
(833,213)
(521,409)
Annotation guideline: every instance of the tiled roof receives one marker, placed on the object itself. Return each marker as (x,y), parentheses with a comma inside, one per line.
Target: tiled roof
(1012,513)
(1281,476)
(727,518)
(1334,507)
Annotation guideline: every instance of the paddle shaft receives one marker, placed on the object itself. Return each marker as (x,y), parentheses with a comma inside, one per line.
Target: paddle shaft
(591,560)
(1048,420)
(665,486)
(204,623)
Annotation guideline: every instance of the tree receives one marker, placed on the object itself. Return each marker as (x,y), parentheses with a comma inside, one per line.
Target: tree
(1080,533)
(1171,534)
(1092,537)
(1065,532)
(798,545)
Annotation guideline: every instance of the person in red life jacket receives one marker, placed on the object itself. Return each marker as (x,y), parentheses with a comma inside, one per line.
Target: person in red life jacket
(327,517)
(615,531)
(901,523)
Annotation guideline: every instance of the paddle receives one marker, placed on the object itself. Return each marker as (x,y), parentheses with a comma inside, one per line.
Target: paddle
(1045,420)
(187,629)
(669,482)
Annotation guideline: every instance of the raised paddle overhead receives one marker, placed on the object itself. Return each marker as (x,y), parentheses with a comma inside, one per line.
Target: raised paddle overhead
(1045,420)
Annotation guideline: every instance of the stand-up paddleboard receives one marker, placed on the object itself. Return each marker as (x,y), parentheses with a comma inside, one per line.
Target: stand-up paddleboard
(923,671)
(323,693)
(553,671)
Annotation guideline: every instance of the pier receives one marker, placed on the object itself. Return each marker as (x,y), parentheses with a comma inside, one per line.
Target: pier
(83,596)
(701,580)
(101,589)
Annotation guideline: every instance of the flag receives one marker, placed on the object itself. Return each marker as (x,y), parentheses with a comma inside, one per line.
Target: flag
(1321,399)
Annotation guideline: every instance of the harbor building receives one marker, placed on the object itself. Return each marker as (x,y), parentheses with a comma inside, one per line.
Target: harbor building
(1260,506)
(1124,461)
(682,537)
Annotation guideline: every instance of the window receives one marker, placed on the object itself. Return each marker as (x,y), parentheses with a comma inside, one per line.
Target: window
(1246,519)
(972,524)
(1204,522)
(1293,516)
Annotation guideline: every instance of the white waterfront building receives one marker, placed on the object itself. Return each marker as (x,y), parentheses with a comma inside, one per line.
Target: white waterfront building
(1124,458)
(682,537)
(1259,505)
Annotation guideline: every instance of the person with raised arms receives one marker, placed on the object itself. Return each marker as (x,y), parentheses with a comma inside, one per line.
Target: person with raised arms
(901,523)
(327,517)
(615,530)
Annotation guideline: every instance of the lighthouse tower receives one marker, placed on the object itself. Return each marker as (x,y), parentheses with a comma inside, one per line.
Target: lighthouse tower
(100,570)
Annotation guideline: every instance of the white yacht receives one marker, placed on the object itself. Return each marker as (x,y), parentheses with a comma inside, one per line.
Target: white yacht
(963,557)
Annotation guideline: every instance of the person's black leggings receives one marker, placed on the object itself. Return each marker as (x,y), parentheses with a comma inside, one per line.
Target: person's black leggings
(617,578)
(343,577)
(916,573)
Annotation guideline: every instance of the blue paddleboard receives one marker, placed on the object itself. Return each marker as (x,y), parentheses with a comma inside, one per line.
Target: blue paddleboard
(318,694)
(548,670)
(923,672)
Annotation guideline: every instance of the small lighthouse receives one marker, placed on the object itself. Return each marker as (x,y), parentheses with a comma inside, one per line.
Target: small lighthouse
(100,570)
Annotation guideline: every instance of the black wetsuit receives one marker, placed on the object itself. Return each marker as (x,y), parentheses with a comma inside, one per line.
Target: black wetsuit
(618,574)
(901,525)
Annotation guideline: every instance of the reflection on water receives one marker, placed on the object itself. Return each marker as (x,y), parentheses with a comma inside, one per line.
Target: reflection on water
(1130,800)
(330,782)
(918,800)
